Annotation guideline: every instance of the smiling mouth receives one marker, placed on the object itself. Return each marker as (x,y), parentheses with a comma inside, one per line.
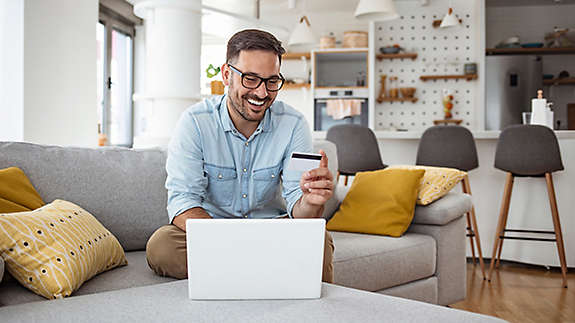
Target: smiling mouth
(257,103)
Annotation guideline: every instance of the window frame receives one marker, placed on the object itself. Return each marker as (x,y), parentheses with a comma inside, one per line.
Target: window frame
(113,21)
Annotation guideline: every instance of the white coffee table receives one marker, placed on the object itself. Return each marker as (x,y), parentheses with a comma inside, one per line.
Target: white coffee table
(169,302)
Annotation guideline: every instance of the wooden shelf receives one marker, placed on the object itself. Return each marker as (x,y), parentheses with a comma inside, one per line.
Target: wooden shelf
(290,86)
(307,55)
(563,81)
(529,51)
(448,77)
(447,121)
(392,56)
(386,99)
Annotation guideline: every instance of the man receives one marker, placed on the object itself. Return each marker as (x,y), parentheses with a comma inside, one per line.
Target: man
(229,152)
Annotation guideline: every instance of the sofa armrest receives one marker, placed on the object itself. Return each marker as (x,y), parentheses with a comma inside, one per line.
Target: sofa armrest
(446,209)
(450,267)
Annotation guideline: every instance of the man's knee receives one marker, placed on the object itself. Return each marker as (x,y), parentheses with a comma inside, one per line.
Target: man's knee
(166,252)
(329,247)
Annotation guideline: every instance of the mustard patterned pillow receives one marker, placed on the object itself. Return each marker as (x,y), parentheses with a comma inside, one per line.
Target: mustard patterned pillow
(53,250)
(436,182)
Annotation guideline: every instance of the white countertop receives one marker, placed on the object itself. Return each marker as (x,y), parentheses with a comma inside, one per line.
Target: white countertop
(485,134)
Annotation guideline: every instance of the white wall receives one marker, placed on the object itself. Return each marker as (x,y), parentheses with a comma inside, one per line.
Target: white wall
(60,99)
(11,70)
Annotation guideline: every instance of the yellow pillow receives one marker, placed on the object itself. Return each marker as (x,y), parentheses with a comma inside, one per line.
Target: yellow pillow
(16,192)
(379,202)
(53,250)
(436,182)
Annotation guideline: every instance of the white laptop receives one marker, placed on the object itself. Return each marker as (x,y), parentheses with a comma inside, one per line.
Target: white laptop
(255,258)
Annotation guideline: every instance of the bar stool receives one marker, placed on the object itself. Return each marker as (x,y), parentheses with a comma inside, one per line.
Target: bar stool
(453,147)
(528,151)
(357,149)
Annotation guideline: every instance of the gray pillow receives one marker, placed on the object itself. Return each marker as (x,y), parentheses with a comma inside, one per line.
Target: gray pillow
(1,269)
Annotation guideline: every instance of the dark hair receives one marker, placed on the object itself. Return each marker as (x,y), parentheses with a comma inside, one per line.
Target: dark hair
(253,39)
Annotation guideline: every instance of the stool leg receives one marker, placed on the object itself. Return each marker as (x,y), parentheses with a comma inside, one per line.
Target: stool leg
(502,233)
(471,234)
(469,229)
(557,226)
(502,220)
(475,228)
(345,181)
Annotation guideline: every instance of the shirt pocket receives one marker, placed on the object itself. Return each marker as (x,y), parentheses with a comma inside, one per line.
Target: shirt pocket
(221,183)
(266,183)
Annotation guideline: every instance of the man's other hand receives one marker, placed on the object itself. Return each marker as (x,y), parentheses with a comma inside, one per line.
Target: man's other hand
(193,213)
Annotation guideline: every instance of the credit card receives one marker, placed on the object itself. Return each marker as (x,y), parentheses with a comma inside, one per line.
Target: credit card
(303,162)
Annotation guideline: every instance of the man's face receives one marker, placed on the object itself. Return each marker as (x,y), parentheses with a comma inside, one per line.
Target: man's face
(251,104)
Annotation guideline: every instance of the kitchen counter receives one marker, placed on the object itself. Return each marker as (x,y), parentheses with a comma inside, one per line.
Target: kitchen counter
(484,134)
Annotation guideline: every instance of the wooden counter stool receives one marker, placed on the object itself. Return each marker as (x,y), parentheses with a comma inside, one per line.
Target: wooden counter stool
(528,151)
(453,147)
(357,149)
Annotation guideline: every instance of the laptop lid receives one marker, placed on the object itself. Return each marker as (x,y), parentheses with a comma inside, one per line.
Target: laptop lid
(255,258)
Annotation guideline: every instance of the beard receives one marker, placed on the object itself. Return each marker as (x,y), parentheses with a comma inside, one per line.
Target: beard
(245,109)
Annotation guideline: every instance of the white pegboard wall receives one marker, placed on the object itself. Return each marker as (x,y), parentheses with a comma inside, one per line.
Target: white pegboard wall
(441,51)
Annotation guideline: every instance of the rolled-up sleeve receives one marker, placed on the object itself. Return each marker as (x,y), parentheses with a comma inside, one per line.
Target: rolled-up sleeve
(301,142)
(186,183)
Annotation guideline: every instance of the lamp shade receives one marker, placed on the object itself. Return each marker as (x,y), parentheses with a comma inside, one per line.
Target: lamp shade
(302,33)
(450,20)
(379,10)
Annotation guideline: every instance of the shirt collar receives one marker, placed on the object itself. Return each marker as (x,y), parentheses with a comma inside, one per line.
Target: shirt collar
(228,125)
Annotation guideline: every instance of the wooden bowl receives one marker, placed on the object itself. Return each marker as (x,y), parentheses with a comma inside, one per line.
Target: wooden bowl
(407,92)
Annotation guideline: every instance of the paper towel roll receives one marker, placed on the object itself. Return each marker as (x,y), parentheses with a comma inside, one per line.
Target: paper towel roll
(539,112)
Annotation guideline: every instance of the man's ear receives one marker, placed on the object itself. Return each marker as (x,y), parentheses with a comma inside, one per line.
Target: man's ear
(226,74)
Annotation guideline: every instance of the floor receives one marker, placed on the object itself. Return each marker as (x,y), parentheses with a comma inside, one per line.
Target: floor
(520,293)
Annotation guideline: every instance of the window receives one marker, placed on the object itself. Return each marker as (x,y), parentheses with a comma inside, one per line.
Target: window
(115,78)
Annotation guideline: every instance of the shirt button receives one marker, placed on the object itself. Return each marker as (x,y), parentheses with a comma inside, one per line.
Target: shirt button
(244,195)
(247,143)
(220,176)
(245,170)
(273,175)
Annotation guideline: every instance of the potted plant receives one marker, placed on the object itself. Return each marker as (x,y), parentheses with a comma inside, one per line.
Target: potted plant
(216,86)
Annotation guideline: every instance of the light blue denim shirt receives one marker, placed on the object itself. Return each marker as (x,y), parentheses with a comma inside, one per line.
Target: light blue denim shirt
(212,165)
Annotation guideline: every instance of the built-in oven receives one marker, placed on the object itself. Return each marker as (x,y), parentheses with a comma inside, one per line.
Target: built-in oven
(324,117)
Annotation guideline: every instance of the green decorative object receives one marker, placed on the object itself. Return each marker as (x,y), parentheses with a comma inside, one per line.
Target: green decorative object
(212,71)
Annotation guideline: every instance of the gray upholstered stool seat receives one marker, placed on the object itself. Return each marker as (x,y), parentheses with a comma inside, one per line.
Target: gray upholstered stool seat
(357,149)
(447,146)
(453,147)
(528,150)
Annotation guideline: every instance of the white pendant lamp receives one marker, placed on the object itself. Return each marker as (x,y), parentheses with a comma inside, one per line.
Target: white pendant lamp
(450,20)
(379,10)
(302,33)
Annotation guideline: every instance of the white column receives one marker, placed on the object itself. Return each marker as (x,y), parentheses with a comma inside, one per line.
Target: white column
(173,48)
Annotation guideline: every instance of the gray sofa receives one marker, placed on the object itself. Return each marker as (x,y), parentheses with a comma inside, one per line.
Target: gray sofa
(124,190)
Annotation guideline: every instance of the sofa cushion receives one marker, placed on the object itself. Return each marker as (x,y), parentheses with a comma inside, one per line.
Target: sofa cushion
(122,188)
(17,194)
(372,262)
(444,210)
(54,249)
(436,182)
(379,202)
(136,273)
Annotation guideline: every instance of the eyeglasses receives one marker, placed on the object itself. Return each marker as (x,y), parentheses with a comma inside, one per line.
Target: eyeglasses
(252,82)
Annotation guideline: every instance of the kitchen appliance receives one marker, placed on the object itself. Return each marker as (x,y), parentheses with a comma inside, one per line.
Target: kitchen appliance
(511,82)
(323,121)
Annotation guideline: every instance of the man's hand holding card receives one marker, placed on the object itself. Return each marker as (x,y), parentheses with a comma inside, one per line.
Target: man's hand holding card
(316,182)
